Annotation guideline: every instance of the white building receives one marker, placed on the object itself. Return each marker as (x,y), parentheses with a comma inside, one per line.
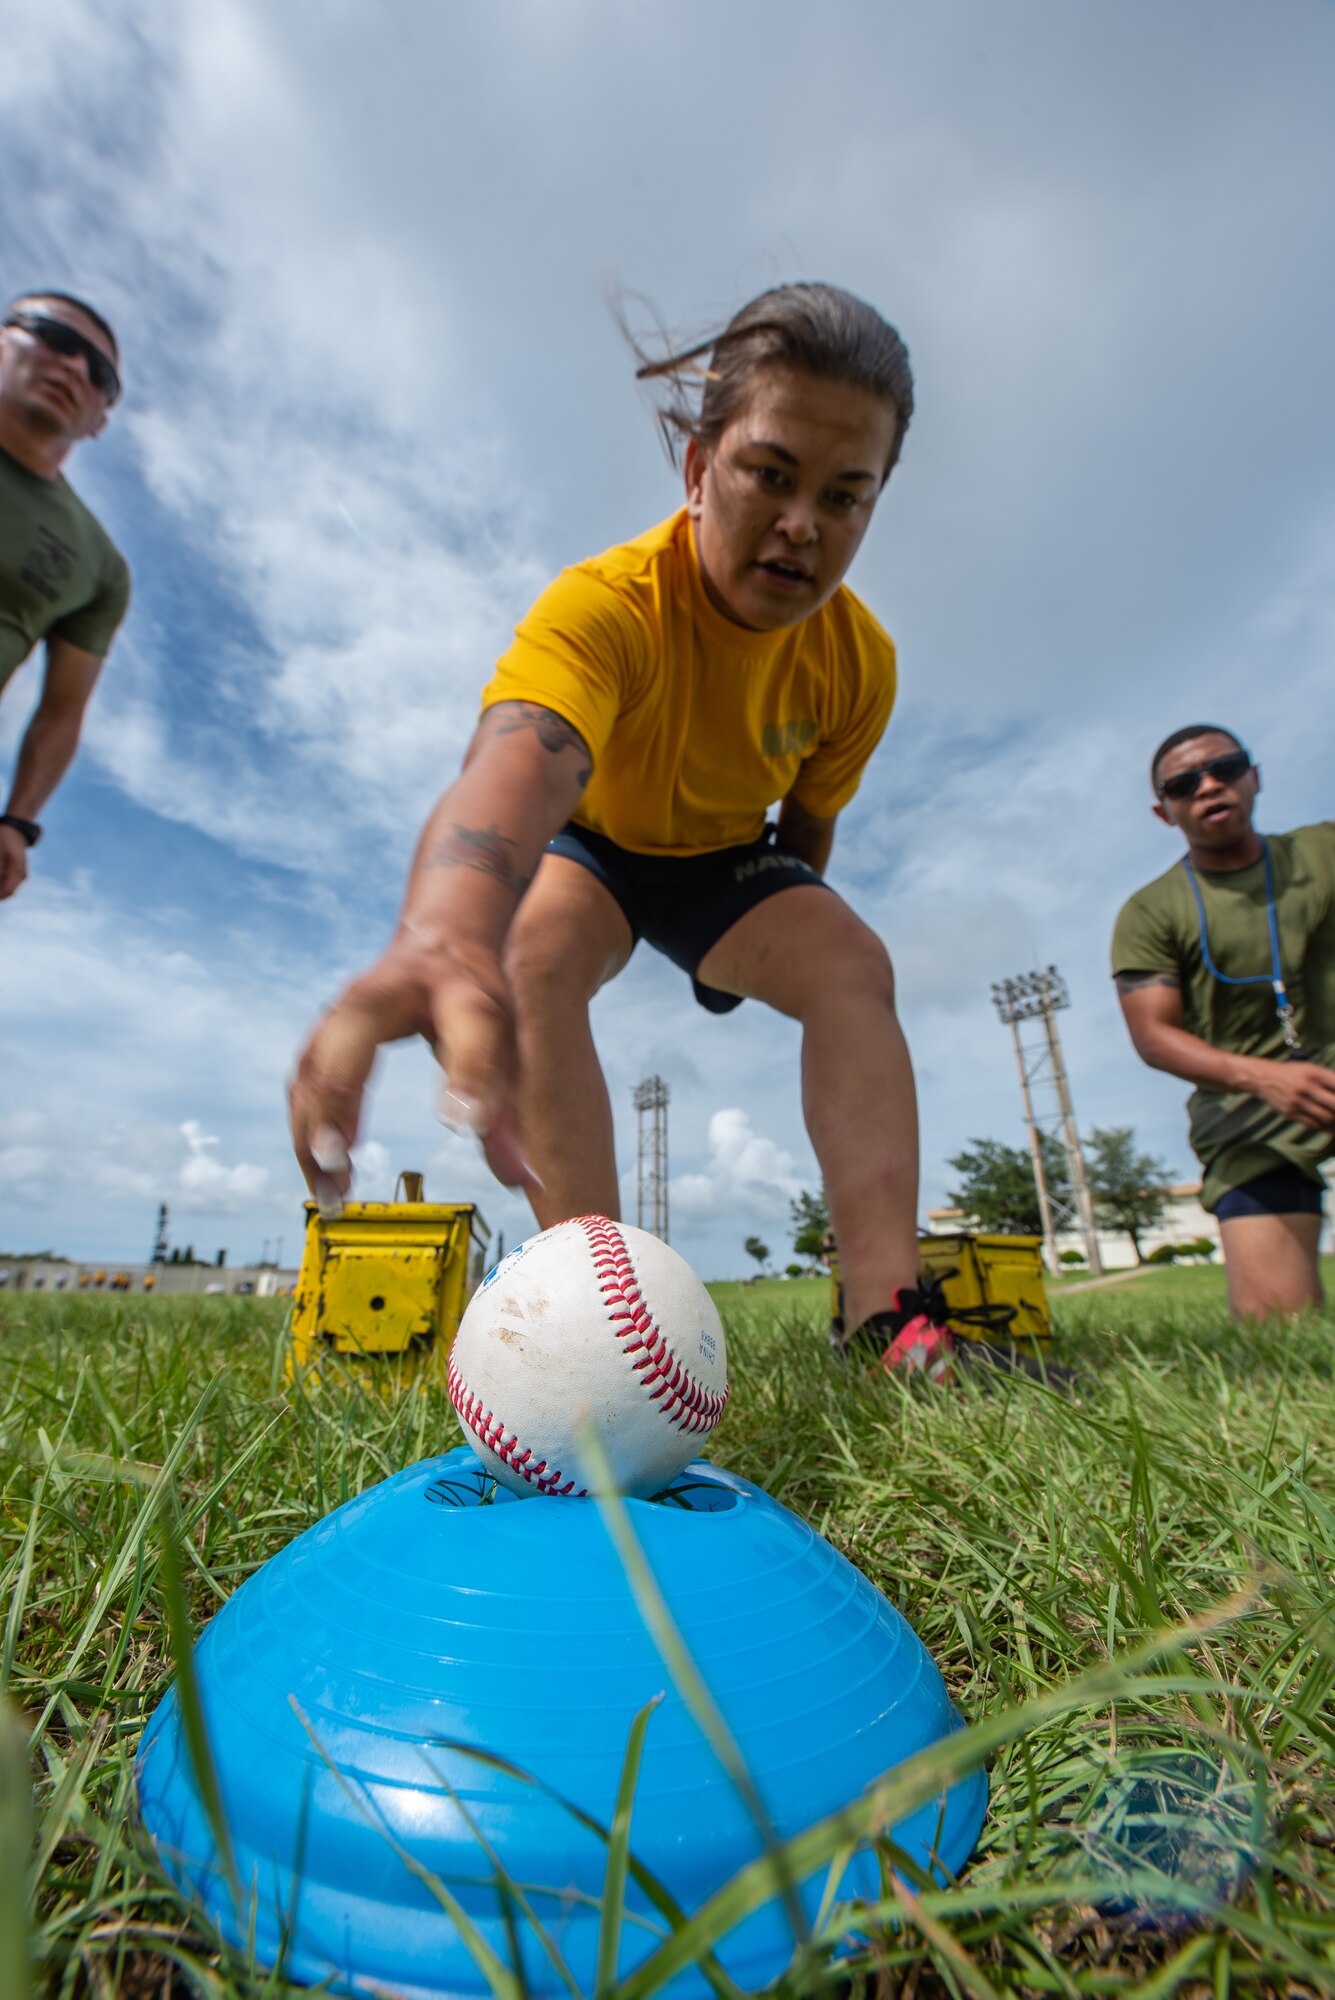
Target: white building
(1185,1221)
(59,1274)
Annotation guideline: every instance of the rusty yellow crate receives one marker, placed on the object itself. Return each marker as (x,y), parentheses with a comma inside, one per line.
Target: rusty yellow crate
(993,1284)
(383,1284)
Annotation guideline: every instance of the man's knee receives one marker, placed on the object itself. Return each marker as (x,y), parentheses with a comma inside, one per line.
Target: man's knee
(1272,1298)
(1260,1294)
(1271,1264)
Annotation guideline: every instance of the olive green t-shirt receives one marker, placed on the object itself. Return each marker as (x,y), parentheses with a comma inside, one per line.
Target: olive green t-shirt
(61,575)
(1234,1135)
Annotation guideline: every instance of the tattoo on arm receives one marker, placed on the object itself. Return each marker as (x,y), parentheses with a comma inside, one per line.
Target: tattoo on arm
(1132,982)
(552,730)
(482,849)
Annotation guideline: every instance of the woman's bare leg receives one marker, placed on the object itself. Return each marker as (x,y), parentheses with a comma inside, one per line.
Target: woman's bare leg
(568,938)
(805,953)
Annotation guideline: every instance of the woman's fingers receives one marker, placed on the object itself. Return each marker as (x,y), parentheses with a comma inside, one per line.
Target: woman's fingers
(463,1007)
(476,1048)
(325,1095)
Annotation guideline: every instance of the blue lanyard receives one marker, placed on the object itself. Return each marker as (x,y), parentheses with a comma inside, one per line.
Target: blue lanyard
(1275,977)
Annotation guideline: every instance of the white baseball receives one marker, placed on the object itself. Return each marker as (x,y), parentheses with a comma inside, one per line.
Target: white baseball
(590,1321)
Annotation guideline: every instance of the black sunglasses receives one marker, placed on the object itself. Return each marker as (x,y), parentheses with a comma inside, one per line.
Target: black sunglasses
(1233,765)
(62,339)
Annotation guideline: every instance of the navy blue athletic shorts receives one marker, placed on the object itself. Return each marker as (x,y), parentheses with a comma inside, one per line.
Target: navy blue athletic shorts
(1283,1191)
(682,904)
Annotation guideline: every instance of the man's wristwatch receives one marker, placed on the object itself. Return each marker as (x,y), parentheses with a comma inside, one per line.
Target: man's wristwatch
(29,828)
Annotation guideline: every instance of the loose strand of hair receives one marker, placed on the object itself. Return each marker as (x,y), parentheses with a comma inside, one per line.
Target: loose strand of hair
(678,366)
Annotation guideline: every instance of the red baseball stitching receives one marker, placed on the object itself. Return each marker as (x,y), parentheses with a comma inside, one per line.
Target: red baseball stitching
(489,1428)
(684,1401)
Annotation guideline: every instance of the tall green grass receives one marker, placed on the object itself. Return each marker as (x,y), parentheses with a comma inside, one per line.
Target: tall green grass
(1130,1593)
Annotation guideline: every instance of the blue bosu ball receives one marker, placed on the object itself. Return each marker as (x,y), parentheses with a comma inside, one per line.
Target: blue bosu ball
(348,1683)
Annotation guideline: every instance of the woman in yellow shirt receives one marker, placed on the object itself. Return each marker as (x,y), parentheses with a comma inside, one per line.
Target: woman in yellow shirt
(657,701)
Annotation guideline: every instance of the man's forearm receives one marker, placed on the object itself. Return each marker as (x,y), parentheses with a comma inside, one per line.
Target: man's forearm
(45,754)
(1196,1062)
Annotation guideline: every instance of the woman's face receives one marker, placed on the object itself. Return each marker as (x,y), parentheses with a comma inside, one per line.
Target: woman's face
(783,498)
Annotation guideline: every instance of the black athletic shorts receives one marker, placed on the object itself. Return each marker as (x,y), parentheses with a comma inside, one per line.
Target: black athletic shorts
(682,904)
(1283,1191)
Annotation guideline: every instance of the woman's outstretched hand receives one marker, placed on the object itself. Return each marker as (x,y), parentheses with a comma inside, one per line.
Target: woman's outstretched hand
(442,976)
(458,999)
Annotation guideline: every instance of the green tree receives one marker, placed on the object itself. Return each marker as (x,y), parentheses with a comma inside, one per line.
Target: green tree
(1129,1189)
(760,1251)
(811,1224)
(997,1185)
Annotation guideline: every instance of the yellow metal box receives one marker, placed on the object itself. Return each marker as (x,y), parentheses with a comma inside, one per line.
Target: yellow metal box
(387,1281)
(993,1285)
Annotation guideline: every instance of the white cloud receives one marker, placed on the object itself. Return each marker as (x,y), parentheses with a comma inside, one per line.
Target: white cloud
(205,1185)
(48,1159)
(109,1032)
(379,589)
(747,1176)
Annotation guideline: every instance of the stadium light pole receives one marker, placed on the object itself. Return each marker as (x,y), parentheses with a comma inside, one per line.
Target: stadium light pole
(1037,996)
(159,1251)
(651,1198)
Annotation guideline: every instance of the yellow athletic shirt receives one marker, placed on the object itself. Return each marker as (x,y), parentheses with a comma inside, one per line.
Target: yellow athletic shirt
(697,726)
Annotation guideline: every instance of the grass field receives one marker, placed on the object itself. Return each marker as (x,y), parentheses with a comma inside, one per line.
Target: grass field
(1169,1829)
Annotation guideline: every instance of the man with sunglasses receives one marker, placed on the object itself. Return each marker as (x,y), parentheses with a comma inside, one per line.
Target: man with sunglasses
(1225,967)
(62,579)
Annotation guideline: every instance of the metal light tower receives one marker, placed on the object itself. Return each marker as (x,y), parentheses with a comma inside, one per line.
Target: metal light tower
(651,1205)
(1036,996)
(158,1254)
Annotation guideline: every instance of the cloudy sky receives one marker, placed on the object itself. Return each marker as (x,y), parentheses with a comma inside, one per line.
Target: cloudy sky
(358,253)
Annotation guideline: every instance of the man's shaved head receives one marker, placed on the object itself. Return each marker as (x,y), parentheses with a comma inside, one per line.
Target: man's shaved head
(1192,729)
(66,299)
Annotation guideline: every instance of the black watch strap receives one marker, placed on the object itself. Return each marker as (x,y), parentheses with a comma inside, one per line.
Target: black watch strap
(29,828)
